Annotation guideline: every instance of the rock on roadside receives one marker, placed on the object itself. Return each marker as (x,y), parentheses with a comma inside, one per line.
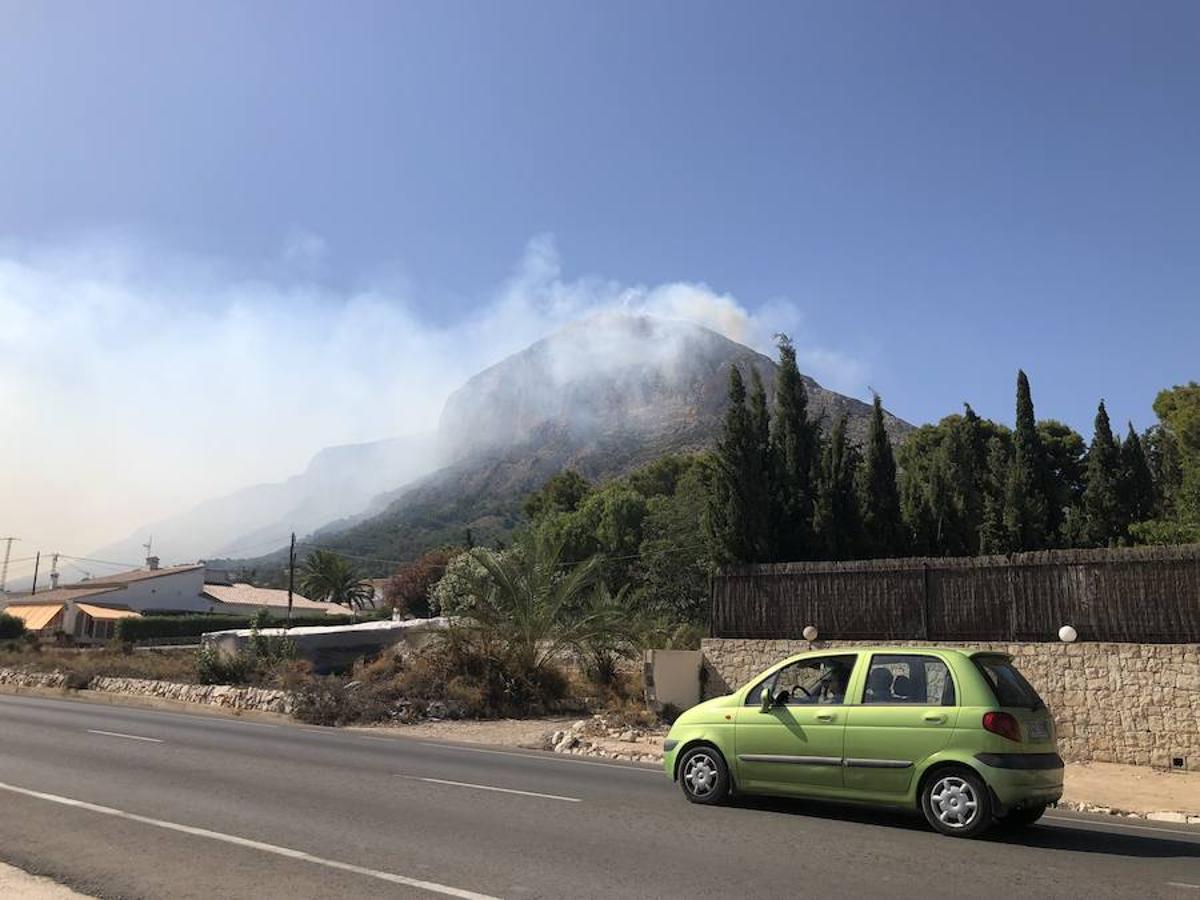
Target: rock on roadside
(604,738)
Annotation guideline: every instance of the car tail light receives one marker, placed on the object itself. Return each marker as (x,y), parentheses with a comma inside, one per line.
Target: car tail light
(1003,724)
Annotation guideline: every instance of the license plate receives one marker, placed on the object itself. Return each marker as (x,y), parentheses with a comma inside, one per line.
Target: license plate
(1039,731)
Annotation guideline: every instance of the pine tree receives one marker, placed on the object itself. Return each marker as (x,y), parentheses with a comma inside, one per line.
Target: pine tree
(1102,498)
(1025,502)
(795,458)
(878,494)
(1137,484)
(836,518)
(737,508)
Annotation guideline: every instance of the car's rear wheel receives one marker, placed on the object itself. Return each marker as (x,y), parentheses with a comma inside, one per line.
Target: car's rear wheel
(1024,817)
(957,802)
(703,775)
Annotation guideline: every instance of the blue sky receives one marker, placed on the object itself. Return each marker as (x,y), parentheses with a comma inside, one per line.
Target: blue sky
(930,194)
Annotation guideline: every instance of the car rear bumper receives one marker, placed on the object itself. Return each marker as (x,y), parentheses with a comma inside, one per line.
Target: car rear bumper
(1023,761)
(1023,779)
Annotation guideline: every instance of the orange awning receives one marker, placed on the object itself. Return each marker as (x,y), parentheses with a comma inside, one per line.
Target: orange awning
(35,616)
(103,612)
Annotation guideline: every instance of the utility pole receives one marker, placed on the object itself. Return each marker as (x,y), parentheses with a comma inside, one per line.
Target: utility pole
(8,542)
(291,576)
(37,561)
(54,571)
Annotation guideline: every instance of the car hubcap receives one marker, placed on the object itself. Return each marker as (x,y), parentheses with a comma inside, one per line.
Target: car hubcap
(954,802)
(700,775)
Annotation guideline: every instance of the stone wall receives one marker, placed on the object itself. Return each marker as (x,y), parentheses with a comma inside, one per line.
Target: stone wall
(14,678)
(1123,703)
(225,696)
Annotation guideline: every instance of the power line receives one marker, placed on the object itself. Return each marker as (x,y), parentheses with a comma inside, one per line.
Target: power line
(279,541)
(103,562)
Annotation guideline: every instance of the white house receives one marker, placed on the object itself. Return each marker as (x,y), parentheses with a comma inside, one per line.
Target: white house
(85,612)
(170,589)
(90,609)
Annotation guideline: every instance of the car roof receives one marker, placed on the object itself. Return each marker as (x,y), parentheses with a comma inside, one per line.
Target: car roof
(897,649)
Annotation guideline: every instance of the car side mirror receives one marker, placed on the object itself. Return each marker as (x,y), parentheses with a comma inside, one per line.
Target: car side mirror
(768,699)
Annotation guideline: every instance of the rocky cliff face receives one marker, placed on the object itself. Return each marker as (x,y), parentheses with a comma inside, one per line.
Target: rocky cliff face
(604,396)
(618,376)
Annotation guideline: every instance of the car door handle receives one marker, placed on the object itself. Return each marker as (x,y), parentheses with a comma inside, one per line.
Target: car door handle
(826,717)
(935,718)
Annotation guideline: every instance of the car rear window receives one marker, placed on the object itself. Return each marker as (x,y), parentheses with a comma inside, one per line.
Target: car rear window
(1009,685)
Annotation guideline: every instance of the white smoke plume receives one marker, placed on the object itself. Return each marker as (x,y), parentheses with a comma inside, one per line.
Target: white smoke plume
(135,383)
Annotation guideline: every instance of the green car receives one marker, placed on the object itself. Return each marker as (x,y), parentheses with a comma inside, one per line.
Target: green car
(961,736)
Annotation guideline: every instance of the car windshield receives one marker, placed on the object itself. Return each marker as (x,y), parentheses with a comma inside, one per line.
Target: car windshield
(1009,685)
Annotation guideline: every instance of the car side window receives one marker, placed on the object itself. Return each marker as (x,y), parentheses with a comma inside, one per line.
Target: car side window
(912,679)
(819,681)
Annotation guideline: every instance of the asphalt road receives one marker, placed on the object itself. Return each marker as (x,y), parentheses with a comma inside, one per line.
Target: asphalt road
(124,802)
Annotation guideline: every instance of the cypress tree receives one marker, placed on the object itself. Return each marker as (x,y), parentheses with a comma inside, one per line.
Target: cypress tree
(760,423)
(1137,484)
(993,537)
(1025,502)
(761,471)
(1064,451)
(1101,497)
(795,458)
(737,515)
(836,519)
(971,469)
(878,495)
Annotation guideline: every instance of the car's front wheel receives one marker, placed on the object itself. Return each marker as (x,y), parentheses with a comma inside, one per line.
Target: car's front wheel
(703,775)
(957,802)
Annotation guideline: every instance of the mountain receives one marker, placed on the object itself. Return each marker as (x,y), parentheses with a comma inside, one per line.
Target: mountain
(338,482)
(603,396)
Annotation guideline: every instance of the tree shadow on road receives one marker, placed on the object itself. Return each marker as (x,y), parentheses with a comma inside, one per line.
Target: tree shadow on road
(1056,835)
(1060,835)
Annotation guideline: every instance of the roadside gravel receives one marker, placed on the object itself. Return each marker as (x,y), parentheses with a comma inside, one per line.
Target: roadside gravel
(19,885)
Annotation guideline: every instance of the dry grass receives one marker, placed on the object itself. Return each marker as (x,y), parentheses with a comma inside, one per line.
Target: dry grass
(84,664)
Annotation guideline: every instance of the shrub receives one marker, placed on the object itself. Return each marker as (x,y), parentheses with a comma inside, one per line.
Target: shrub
(255,661)
(10,627)
(214,667)
(150,627)
(408,589)
(460,676)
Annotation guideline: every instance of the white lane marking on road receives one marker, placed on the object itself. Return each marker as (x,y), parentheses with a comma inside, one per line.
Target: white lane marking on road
(488,787)
(1184,884)
(431,886)
(128,737)
(1066,821)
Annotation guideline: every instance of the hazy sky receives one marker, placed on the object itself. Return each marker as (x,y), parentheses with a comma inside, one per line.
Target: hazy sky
(233,233)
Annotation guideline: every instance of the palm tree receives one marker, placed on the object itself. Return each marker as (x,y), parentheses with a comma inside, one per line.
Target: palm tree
(329,578)
(533,605)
